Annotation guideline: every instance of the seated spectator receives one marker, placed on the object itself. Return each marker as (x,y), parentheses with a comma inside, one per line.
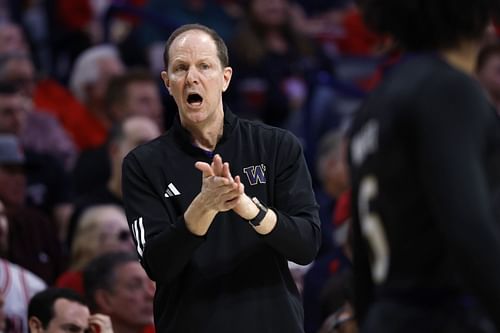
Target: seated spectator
(48,95)
(41,131)
(12,38)
(117,285)
(332,164)
(48,187)
(175,13)
(92,71)
(133,93)
(277,65)
(332,172)
(32,241)
(62,310)
(101,229)
(17,286)
(127,135)
(337,300)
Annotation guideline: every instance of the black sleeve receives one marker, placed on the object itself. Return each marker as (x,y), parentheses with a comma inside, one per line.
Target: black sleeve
(297,233)
(452,122)
(163,242)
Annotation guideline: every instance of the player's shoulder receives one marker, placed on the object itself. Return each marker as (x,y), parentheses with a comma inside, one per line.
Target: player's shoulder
(431,75)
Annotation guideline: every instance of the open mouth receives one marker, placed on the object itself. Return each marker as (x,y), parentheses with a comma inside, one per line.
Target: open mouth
(194,99)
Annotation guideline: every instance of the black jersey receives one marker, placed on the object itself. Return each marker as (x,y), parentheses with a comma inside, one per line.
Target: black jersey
(422,149)
(232,279)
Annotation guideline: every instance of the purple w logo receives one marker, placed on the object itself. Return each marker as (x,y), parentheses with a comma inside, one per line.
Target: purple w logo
(255,174)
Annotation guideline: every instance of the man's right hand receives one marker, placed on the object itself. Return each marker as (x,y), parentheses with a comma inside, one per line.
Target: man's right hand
(219,193)
(100,323)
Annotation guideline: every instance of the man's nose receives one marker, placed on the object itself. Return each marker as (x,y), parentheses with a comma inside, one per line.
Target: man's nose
(192,75)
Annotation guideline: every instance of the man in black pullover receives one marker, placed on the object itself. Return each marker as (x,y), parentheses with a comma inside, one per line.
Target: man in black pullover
(217,245)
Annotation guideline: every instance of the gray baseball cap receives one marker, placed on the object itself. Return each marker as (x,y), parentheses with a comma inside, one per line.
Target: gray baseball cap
(10,150)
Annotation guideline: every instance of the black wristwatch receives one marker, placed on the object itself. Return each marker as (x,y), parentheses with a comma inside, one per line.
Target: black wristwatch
(260,215)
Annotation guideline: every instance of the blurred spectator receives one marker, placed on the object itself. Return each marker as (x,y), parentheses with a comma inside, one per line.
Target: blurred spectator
(48,95)
(89,79)
(277,66)
(17,286)
(337,26)
(32,241)
(318,18)
(130,133)
(12,38)
(331,168)
(175,13)
(332,164)
(335,214)
(48,187)
(492,35)
(101,229)
(117,285)
(488,72)
(40,131)
(134,93)
(73,28)
(61,310)
(356,38)
(337,300)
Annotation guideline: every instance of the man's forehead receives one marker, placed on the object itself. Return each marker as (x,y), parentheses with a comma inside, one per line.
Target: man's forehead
(195,38)
(130,271)
(65,308)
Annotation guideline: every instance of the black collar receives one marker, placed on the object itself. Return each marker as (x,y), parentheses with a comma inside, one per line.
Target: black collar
(183,137)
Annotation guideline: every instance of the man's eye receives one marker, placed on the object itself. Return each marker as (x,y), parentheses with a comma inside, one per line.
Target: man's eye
(204,66)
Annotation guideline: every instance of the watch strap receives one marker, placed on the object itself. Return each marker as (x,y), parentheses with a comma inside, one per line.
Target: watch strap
(260,215)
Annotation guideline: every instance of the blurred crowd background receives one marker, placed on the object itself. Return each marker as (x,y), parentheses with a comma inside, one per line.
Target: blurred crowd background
(80,87)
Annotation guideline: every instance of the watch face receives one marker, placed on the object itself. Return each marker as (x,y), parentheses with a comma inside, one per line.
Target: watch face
(261,206)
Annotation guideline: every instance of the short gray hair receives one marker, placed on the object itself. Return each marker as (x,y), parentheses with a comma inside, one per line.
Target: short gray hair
(85,69)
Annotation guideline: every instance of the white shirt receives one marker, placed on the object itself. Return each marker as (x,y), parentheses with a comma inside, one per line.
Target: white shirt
(18,285)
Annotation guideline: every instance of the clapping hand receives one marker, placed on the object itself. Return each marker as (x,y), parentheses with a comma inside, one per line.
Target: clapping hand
(220,190)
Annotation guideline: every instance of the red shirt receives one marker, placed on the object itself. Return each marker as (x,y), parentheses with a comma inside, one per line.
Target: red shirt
(85,129)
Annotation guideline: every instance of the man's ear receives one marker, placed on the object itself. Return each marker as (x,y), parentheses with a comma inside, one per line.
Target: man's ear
(35,325)
(166,81)
(228,73)
(103,301)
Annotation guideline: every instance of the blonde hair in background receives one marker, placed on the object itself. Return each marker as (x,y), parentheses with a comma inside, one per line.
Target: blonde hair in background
(88,241)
